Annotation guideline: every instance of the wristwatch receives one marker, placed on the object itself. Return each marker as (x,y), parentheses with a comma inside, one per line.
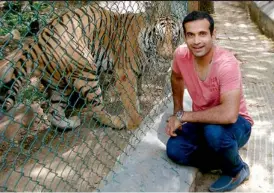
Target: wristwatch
(179,115)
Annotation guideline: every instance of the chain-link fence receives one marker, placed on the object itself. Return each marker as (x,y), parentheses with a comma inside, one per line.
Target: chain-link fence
(78,79)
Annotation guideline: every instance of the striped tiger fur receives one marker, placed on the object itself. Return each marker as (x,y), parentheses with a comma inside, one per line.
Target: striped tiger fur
(73,50)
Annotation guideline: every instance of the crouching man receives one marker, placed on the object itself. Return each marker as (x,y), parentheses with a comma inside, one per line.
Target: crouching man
(210,136)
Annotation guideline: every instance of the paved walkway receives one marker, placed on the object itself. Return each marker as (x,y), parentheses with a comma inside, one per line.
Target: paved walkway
(235,31)
(148,169)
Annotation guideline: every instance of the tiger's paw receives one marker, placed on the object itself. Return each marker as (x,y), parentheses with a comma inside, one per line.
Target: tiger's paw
(117,123)
(64,123)
(134,124)
(6,106)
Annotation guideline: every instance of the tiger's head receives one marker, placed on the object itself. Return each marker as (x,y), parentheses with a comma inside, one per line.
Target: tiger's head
(166,35)
(159,40)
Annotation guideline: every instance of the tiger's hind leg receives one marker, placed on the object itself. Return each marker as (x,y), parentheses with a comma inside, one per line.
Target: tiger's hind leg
(90,91)
(56,115)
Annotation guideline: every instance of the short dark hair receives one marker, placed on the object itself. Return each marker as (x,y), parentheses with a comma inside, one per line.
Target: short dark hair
(199,15)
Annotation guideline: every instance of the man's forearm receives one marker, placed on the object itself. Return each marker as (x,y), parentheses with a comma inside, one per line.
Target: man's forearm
(177,86)
(178,103)
(215,115)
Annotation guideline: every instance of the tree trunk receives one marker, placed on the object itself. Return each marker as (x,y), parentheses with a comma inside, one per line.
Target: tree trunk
(207,6)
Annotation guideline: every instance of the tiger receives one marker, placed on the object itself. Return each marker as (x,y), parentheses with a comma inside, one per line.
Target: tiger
(72,51)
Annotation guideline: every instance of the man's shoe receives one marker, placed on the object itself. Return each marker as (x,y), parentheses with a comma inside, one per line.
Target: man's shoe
(228,183)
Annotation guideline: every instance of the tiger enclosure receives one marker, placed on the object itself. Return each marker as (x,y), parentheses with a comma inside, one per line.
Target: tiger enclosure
(80,83)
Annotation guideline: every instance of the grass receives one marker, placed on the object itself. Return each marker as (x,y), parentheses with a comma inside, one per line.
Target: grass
(13,17)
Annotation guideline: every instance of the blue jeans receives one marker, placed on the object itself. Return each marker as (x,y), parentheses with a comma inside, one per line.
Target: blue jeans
(210,146)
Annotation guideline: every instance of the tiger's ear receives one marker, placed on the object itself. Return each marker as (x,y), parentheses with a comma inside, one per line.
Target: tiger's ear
(174,17)
(151,16)
(150,11)
(182,37)
(156,9)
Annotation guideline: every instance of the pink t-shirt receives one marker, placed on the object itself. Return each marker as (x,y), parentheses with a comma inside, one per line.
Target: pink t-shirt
(224,75)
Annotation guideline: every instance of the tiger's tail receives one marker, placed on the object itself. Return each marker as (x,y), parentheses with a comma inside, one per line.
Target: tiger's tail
(16,76)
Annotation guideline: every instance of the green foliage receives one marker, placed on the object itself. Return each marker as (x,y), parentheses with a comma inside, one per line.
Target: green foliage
(13,16)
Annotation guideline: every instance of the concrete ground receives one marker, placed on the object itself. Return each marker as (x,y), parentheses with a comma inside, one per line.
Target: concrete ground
(147,167)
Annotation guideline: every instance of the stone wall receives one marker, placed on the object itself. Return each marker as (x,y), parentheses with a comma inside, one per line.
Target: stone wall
(262,13)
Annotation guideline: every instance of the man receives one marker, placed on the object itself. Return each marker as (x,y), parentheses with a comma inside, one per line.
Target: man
(209,136)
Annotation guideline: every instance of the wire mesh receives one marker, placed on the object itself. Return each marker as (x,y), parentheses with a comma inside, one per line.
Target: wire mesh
(70,73)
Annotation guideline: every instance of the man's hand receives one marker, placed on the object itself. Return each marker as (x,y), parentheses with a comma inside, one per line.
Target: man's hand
(172,124)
